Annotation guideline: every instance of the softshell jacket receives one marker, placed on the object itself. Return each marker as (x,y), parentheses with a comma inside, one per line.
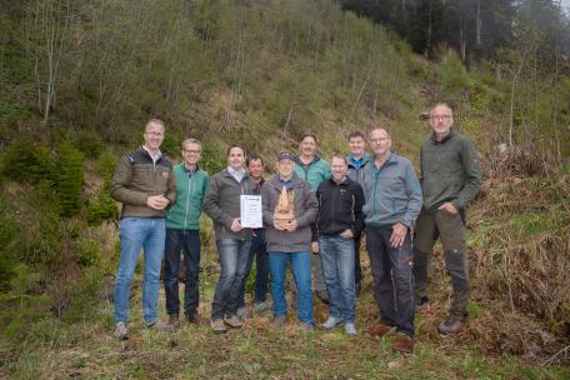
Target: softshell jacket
(191,190)
(314,173)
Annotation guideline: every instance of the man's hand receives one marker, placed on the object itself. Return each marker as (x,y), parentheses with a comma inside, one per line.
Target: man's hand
(398,236)
(157,202)
(315,247)
(236,225)
(347,234)
(449,207)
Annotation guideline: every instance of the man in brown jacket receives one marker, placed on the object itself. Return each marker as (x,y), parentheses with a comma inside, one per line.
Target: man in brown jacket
(144,183)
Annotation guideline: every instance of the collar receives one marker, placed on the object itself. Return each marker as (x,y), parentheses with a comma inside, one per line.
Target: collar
(445,139)
(391,160)
(156,156)
(315,159)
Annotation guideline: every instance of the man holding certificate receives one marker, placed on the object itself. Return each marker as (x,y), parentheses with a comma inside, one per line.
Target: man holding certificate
(227,202)
(289,209)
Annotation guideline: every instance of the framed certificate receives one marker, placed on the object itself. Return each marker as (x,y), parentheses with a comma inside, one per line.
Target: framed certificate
(251,211)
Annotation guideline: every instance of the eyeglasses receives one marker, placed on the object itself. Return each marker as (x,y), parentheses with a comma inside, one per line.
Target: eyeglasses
(440,117)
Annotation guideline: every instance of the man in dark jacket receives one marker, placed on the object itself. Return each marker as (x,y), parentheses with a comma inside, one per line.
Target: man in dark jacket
(183,234)
(288,240)
(222,204)
(340,220)
(358,160)
(450,178)
(144,183)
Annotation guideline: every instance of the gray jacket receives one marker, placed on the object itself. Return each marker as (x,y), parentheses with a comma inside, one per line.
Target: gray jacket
(393,193)
(356,168)
(306,208)
(222,203)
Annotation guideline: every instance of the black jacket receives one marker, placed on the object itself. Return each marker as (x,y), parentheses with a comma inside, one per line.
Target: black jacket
(340,207)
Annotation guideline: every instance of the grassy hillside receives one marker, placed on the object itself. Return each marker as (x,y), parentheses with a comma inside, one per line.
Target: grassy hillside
(259,73)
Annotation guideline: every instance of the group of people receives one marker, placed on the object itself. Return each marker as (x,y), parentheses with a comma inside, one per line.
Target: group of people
(314,218)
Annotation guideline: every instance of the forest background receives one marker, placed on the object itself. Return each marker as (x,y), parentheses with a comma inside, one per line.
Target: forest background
(79,79)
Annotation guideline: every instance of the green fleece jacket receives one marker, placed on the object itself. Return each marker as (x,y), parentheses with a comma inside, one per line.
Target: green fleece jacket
(449,171)
(191,189)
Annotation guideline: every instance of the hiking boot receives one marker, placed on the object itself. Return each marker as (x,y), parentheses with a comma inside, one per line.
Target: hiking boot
(331,323)
(121,332)
(380,330)
(160,326)
(173,321)
(194,318)
(241,313)
(234,321)
(451,326)
(279,321)
(218,326)
(260,307)
(404,344)
(350,329)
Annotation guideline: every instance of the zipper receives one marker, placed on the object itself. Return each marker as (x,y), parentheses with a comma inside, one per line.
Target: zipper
(188,200)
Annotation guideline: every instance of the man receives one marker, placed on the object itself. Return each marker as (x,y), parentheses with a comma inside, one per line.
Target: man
(256,169)
(450,178)
(183,234)
(222,204)
(358,161)
(393,202)
(144,183)
(288,240)
(340,220)
(313,170)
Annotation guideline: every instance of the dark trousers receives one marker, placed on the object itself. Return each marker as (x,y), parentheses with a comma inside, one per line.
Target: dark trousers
(259,252)
(393,278)
(450,229)
(357,266)
(187,243)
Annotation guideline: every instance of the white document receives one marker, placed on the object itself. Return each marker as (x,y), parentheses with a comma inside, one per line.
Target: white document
(251,211)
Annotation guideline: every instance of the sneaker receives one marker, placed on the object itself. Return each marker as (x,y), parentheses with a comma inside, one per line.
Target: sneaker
(331,323)
(121,332)
(308,326)
(404,344)
(451,326)
(380,330)
(160,326)
(234,321)
(218,326)
(279,321)
(241,313)
(260,307)
(350,329)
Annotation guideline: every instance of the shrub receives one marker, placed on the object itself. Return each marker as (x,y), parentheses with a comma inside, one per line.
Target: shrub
(69,178)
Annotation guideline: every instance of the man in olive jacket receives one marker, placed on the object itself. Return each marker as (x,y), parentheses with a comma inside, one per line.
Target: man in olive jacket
(450,179)
(183,234)
(144,183)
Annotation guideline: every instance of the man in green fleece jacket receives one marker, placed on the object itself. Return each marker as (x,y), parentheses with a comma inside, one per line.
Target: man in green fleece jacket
(183,234)
(450,179)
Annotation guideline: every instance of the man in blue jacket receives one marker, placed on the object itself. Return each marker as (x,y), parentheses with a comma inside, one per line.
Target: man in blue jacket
(393,202)
(183,234)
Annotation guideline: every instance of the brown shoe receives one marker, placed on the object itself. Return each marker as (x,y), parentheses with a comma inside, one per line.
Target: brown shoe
(234,321)
(451,326)
(403,344)
(380,330)
(218,326)
(173,321)
(194,319)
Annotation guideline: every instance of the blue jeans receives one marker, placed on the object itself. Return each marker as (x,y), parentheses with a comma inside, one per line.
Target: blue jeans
(186,242)
(392,270)
(301,265)
(259,252)
(337,256)
(137,233)
(234,254)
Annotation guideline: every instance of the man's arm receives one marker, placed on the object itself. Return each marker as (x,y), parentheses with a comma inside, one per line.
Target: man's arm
(414,193)
(171,191)
(470,161)
(211,205)
(358,214)
(120,182)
